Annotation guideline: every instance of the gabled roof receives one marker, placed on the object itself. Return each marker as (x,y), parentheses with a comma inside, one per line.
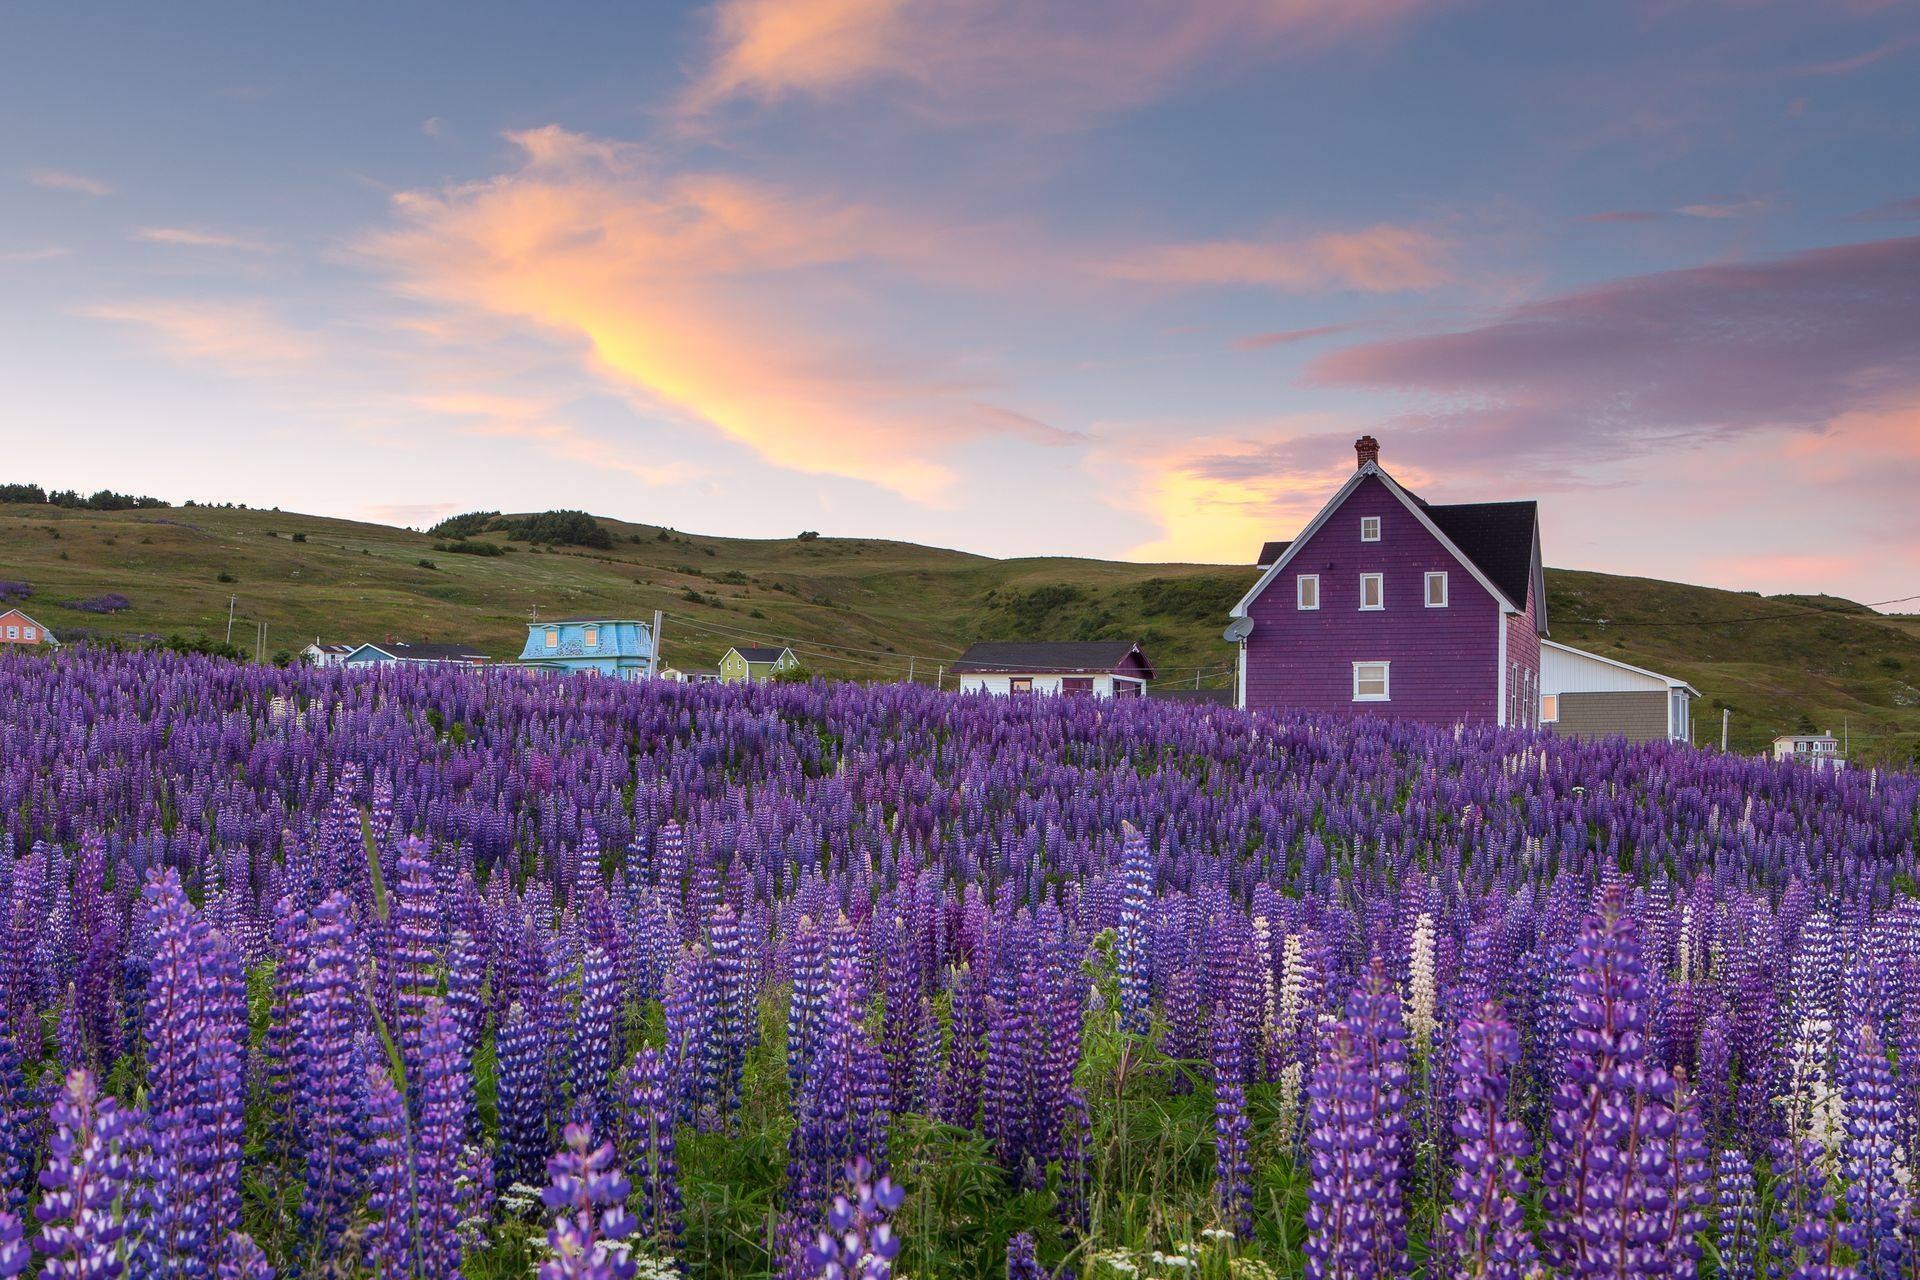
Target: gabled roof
(45,630)
(1269,552)
(1035,657)
(1501,533)
(426,652)
(759,653)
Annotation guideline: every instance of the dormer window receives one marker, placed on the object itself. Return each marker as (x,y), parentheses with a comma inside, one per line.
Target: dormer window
(553,637)
(1369,528)
(592,637)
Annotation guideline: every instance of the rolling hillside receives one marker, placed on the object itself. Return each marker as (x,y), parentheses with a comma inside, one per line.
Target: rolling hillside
(873,609)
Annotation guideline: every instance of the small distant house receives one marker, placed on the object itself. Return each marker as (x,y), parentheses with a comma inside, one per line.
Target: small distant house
(1088,669)
(617,647)
(1388,604)
(16,628)
(1586,695)
(325,655)
(691,675)
(754,663)
(1816,750)
(368,655)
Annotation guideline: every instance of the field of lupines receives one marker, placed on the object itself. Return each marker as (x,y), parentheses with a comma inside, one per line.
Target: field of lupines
(426,974)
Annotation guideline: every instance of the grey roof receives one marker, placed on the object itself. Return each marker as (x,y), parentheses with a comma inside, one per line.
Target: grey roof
(586,617)
(1497,536)
(1269,552)
(758,653)
(426,652)
(1028,657)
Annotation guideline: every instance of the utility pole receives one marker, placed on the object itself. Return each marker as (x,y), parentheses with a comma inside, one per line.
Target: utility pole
(940,677)
(909,668)
(230,600)
(260,641)
(1726,714)
(659,626)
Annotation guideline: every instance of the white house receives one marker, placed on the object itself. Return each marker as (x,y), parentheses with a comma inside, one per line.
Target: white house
(325,655)
(1587,695)
(1818,750)
(1094,668)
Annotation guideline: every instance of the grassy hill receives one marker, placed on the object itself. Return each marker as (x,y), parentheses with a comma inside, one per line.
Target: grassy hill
(874,609)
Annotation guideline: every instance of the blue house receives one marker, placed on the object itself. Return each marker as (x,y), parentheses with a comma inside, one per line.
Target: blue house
(368,655)
(612,647)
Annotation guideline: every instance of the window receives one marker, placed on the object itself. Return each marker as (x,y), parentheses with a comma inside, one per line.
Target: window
(1076,686)
(592,637)
(1306,591)
(1369,528)
(13,633)
(1370,681)
(1129,689)
(1437,590)
(29,634)
(1373,591)
(1021,684)
(1549,708)
(553,637)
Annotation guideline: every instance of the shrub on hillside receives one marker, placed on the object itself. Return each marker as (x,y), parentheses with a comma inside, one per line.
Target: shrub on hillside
(111,602)
(462,547)
(560,529)
(15,591)
(101,500)
(465,525)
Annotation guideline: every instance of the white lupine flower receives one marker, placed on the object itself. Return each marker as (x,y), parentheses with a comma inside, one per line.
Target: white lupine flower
(1421,987)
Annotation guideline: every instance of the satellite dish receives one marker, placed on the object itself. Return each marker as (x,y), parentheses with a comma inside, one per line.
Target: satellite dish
(1239,629)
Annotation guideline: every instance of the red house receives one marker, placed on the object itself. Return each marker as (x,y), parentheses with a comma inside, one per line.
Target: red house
(1388,604)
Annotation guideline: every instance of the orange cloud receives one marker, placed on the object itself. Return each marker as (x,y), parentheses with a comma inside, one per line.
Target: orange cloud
(1049,61)
(243,337)
(703,294)
(1379,259)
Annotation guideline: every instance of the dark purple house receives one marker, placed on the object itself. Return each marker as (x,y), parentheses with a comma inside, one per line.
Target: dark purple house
(1388,604)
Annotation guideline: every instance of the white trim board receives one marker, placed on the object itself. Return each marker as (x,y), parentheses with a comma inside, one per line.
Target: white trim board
(1335,503)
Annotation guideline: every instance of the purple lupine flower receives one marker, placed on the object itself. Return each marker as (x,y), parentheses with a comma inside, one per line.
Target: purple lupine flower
(1022,1262)
(19,1129)
(1133,956)
(445,1105)
(1739,1216)
(14,1253)
(857,1241)
(1486,1222)
(391,1240)
(960,1077)
(326,1019)
(521,1072)
(1341,1216)
(590,1060)
(240,1259)
(1871,1160)
(408,958)
(587,1194)
(648,1148)
(466,981)
(1232,1166)
(96,1154)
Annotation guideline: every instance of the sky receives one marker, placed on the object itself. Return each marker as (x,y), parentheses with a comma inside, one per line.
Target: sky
(1116,278)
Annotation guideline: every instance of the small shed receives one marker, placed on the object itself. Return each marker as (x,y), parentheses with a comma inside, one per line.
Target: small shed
(1586,695)
(18,630)
(1081,668)
(752,662)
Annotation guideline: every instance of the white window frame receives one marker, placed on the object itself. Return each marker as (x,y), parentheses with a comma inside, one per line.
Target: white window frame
(1549,708)
(1386,682)
(1380,595)
(30,635)
(1439,576)
(1369,528)
(1300,585)
(13,633)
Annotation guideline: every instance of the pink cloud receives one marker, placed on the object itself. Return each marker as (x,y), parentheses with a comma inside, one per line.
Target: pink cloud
(1048,62)
(63,180)
(1288,337)
(1378,259)
(1788,341)
(241,336)
(192,238)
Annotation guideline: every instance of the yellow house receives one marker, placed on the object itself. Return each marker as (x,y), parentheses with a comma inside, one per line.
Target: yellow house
(752,663)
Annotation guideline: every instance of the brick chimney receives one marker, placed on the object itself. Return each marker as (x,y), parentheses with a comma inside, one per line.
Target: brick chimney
(1367,449)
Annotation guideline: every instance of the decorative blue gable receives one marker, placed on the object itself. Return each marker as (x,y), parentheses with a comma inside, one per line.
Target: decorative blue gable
(621,648)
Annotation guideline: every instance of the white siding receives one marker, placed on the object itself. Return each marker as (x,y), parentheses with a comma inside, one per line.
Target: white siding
(1564,671)
(1102,684)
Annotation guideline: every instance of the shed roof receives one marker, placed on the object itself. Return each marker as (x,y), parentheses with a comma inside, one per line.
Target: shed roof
(759,653)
